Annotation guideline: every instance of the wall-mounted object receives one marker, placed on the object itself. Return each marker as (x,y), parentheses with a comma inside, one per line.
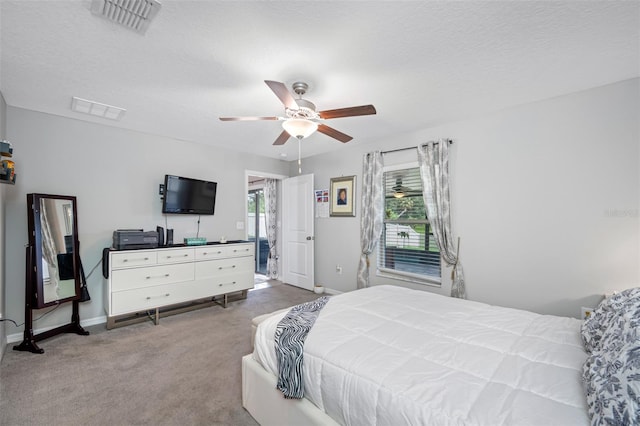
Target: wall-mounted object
(7,167)
(342,196)
(184,195)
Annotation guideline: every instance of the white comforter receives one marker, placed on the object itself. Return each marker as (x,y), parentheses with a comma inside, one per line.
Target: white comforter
(386,355)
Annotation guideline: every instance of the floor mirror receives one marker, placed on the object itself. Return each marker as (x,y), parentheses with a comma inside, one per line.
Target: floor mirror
(52,274)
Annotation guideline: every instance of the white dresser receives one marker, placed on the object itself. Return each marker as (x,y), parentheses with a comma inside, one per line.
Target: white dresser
(143,282)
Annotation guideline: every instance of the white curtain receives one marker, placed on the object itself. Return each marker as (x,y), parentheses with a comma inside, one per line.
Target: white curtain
(372,208)
(49,251)
(434,172)
(270,215)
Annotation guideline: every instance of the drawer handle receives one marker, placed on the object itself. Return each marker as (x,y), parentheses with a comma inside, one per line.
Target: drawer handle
(157,276)
(236,250)
(184,255)
(229,267)
(206,253)
(231,283)
(164,295)
(127,260)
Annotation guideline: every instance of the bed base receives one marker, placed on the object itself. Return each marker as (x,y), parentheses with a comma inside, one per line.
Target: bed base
(267,405)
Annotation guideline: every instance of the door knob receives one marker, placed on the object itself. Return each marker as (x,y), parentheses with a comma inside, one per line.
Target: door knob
(310,238)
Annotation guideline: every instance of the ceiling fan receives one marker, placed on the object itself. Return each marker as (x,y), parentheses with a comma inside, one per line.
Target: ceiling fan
(301,118)
(400,190)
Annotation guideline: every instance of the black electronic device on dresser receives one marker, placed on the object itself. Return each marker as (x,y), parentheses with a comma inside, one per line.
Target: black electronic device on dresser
(160,231)
(125,239)
(162,240)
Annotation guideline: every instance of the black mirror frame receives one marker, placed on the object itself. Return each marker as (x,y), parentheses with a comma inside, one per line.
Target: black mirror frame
(34,295)
(35,242)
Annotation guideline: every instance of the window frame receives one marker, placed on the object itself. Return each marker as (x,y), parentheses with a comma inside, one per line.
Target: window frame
(384,272)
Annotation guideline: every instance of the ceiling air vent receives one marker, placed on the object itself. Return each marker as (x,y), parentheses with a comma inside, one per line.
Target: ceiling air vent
(97,109)
(133,14)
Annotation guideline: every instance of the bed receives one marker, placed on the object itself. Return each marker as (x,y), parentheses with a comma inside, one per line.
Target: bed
(387,355)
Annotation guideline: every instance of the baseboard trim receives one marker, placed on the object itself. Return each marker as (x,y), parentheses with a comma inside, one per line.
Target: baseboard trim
(17,337)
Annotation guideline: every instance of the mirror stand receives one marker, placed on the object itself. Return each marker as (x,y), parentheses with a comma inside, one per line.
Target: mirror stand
(29,342)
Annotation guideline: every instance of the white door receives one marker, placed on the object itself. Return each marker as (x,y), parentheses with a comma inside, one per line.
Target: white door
(297,231)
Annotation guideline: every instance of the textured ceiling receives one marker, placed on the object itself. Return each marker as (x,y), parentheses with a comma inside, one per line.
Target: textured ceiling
(420,63)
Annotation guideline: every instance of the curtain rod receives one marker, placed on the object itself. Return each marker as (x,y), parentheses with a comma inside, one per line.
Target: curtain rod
(410,147)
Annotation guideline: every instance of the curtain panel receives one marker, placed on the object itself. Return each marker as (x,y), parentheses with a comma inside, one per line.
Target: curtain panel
(49,250)
(270,212)
(371,212)
(434,172)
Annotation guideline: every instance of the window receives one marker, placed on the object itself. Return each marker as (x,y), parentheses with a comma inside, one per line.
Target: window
(407,248)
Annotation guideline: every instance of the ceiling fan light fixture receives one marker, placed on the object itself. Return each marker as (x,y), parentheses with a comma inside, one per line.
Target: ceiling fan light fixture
(398,194)
(299,127)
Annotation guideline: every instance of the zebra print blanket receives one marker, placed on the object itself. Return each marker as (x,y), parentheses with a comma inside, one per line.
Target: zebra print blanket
(291,333)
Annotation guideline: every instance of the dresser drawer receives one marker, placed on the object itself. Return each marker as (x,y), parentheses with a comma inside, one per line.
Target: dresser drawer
(142,299)
(210,252)
(241,250)
(232,282)
(215,268)
(128,279)
(175,256)
(132,258)
(219,251)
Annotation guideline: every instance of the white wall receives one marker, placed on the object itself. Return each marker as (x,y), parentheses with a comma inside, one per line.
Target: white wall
(3,328)
(545,200)
(545,197)
(115,176)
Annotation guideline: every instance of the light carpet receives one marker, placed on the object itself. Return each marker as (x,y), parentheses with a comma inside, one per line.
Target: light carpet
(186,370)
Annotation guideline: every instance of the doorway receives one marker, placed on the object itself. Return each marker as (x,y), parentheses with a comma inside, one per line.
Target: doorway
(294,228)
(256,227)
(298,231)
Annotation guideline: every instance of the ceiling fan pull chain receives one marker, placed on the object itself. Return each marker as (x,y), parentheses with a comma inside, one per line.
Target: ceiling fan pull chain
(299,156)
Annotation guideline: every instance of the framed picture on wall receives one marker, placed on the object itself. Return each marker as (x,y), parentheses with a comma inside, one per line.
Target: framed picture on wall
(342,196)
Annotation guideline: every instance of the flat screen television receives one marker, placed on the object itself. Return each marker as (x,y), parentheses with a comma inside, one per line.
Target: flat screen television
(188,196)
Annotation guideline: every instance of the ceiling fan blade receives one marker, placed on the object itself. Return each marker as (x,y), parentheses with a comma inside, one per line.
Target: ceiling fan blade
(348,112)
(283,94)
(403,189)
(283,138)
(330,131)
(247,118)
